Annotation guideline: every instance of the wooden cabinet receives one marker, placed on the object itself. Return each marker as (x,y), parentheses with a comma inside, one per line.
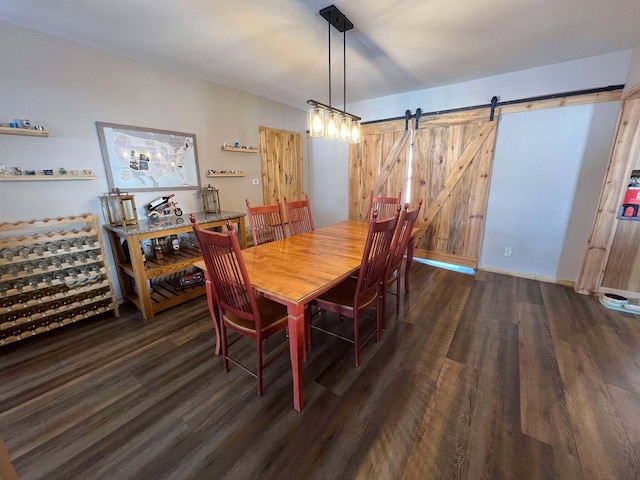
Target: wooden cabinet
(154,285)
(52,272)
(282,171)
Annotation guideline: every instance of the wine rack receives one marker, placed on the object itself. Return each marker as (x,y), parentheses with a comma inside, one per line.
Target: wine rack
(53,272)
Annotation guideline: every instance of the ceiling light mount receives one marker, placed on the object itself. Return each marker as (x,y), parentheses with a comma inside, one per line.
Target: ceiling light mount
(336,18)
(325,120)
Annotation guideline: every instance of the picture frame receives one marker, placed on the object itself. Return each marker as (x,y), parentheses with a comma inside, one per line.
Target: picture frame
(139,159)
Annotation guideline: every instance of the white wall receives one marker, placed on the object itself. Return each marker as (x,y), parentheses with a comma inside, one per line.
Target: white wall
(545,188)
(633,78)
(564,150)
(328,181)
(67,87)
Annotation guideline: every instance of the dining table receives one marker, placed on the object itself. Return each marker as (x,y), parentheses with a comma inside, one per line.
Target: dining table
(295,270)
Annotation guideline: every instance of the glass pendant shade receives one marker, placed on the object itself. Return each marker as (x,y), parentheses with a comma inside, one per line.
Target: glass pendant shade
(316,122)
(345,129)
(355,132)
(332,128)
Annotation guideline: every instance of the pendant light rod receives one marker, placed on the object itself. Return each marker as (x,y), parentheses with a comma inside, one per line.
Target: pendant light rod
(329,37)
(344,72)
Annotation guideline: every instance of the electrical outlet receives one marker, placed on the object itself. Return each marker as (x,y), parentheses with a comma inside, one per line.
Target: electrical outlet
(255,181)
(507,251)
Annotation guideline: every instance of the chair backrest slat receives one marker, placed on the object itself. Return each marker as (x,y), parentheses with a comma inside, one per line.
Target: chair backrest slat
(376,251)
(266,223)
(407,221)
(299,216)
(386,207)
(223,258)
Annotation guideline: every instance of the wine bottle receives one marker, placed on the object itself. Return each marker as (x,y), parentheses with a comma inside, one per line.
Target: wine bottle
(158,203)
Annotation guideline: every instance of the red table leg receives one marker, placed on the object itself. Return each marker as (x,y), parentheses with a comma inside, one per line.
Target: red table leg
(296,351)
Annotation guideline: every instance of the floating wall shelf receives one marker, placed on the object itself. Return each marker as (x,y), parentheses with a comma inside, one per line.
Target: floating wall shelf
(13,178)
(23,131)
(211,175)
(238,149)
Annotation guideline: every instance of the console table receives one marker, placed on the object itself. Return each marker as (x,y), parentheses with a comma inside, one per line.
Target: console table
(152,286)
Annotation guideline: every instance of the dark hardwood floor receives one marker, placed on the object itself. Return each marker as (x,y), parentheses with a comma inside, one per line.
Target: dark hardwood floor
(483,377)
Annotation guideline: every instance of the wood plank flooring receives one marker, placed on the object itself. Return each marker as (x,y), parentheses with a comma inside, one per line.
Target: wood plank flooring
(485,377)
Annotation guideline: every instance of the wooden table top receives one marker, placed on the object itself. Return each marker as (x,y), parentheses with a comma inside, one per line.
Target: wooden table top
(297,269)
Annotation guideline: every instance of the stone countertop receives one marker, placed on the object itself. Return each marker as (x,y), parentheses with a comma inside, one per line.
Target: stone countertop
(171,221)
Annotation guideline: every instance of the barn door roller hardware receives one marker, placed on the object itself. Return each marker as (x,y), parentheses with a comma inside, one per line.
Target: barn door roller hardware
(493,105)
(494,102)
(407,117)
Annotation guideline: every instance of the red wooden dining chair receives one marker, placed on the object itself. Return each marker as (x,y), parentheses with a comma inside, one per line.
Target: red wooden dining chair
(354,295)
(299,215)
(385,206)
(266,223)
(406,223)
(240,309)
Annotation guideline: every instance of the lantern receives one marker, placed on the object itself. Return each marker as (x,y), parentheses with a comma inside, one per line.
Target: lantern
(119,208)
(210,199)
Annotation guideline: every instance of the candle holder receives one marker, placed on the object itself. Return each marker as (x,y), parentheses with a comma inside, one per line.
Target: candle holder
(210,199)
(119,208)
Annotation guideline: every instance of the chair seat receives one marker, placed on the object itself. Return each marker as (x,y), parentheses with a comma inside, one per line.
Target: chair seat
(342,296)
(272,315)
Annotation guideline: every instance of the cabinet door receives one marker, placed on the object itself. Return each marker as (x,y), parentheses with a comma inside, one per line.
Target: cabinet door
(282,174)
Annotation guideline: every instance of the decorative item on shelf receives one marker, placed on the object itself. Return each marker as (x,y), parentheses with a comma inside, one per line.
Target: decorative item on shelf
(191,280)
(210,199)
(119,208)
(630,209)
(174,244)
(326,120)
(162,206)
(158,252)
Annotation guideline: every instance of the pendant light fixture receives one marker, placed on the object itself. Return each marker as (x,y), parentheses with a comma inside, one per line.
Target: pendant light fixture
(325,120)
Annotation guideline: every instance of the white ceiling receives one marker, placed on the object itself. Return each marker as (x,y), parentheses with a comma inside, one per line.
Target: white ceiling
(278,48)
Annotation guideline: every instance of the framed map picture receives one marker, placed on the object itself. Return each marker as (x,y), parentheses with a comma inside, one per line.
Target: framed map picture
(139,159)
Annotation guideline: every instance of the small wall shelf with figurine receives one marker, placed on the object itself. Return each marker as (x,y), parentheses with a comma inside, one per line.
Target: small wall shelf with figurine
(23,131)
(14,178)
(212,175)
(242,149)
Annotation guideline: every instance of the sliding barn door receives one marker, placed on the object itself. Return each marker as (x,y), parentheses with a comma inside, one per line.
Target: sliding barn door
(446,162)
(281,157)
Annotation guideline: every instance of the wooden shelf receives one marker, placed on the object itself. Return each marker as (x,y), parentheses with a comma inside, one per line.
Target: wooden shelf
(23,131)
(12,178)
(150,285)
(238,149)
(212,175)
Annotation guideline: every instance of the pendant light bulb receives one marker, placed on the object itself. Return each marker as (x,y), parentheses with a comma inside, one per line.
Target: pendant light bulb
(345,129)
(355,132)
(332,126)
(316,122)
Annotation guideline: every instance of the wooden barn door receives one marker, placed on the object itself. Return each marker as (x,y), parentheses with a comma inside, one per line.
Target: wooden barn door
(446,162)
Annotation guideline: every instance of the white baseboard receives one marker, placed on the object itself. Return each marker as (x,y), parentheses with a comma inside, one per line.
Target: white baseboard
(530,276)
